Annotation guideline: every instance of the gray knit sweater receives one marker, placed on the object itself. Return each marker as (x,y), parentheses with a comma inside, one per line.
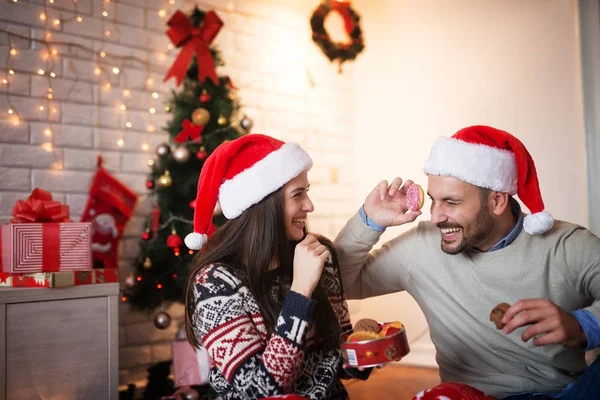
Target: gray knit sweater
(458,292)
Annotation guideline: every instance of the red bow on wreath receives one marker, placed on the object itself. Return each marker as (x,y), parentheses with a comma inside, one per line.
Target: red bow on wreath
(193,39)
(342,7)
(40,207)
(190,131)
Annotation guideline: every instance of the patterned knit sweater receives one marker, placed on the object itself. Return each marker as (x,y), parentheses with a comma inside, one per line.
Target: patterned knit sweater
(458,292)
(249,364)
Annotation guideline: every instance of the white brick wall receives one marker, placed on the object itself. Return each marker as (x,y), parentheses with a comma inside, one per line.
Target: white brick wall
(286,85)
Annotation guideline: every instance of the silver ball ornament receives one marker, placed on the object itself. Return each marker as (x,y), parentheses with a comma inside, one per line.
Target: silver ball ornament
(246,123)
(181,154)
(163,150)
(162,320)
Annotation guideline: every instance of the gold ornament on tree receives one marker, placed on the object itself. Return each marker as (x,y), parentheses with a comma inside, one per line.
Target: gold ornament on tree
(200,116)
(222,120)
(147,263)
(165,180)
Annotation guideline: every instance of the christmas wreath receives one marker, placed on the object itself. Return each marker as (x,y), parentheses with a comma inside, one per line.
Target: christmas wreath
(341,52)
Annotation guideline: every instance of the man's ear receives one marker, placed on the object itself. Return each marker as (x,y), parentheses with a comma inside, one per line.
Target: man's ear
(499,201)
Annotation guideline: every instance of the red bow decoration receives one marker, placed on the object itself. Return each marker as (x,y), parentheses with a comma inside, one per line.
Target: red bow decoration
(342,8)
(193,39)
(190,131)
(40,207)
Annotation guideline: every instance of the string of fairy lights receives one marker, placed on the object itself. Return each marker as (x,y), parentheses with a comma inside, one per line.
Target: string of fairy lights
(107,68)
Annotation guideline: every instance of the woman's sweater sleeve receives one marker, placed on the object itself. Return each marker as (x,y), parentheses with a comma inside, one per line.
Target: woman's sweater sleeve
(234,335)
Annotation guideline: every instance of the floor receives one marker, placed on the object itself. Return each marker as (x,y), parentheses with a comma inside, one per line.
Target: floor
(393,381)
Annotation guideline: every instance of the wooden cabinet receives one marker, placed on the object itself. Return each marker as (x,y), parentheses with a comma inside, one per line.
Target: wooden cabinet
(59,343)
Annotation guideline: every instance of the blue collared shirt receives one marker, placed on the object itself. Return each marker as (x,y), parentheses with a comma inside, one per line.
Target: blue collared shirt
(587,320)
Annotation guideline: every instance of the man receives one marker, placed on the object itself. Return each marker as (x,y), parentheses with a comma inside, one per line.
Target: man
(490,253)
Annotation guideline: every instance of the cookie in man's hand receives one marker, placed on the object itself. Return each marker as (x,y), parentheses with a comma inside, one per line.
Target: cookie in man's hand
(497,314)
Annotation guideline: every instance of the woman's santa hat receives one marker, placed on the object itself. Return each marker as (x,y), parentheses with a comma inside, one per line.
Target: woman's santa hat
(239,174)
(493,159)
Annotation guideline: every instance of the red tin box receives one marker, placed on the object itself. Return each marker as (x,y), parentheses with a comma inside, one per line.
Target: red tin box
(375,352)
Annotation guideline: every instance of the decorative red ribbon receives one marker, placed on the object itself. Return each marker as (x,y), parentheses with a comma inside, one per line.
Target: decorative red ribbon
(40,207)
(193,39)
(190,131)
(50,247)
(342,8)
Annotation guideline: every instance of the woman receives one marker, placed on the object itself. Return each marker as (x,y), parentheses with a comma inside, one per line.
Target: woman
(264,297)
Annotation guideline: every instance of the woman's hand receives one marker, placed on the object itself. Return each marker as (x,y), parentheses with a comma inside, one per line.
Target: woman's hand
(309,258)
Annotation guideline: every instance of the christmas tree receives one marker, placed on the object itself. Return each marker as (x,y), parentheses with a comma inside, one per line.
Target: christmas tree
(205,114)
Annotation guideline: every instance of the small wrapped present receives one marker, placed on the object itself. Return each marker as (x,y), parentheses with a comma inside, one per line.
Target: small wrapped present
(59,279)
(42,238)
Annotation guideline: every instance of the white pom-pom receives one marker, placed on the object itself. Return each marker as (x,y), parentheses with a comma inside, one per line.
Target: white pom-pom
(537,223)
(195,240)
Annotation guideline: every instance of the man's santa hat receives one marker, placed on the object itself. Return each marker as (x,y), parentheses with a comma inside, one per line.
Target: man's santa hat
(490,158)
(239,174)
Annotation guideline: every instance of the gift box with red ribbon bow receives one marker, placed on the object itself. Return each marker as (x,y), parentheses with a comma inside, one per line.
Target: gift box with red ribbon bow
(42,238)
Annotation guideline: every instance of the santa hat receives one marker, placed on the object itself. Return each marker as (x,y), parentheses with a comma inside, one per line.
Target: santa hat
(239,174)
(490,158)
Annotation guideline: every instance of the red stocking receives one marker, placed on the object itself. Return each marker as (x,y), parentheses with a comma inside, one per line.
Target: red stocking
(109,207)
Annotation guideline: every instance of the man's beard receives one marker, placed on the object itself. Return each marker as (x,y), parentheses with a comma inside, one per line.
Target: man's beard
(479,231)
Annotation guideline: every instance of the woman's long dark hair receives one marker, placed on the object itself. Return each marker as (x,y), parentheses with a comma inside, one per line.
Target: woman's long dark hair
(248,245)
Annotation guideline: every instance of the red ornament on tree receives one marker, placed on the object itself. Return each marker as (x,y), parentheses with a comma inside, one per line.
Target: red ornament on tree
(174,241)
(150,184)
(146,234)
(202,154)
(204,97)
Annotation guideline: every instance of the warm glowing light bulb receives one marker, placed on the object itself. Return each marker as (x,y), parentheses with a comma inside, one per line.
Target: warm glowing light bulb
(171,2)
(106,33)
(52,75)
(54,52)
(5,81)
(48,147)
(102,54)
(41,108)
(162,13)
(41,71)
(105,13)
(50,96)
(79,19)
(149,81)
(150,162)
(48,35)
(116,70)
(11,111)
(128,124)
(51,1)
(126,92)
(107,85)
(13,52)
(145,146)
(10,71)
(16,120)
(56,22)
(43,16)
(155,95)
(123,107)
(150,128)
(97,71)
(120,142)
(152,110)
(159,286)
(48,132)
